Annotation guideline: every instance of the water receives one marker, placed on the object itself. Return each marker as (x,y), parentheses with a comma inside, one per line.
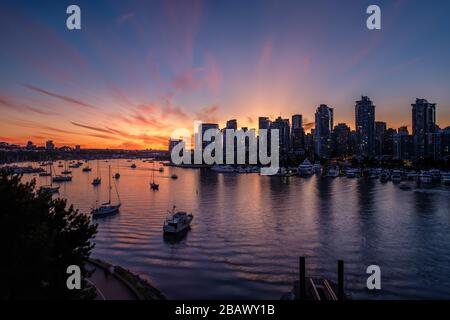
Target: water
(249,230)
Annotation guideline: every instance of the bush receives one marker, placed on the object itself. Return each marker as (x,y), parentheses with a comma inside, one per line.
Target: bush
(39,239)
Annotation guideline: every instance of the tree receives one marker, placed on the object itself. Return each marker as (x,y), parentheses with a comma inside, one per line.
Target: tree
(39,238)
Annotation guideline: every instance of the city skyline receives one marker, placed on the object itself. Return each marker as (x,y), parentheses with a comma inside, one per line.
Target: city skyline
(109,86)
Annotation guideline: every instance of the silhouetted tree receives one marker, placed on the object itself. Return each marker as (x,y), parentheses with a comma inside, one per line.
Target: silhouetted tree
(39,238)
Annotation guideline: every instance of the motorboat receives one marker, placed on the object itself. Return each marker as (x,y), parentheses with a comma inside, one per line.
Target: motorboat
(435,174)
(306,168)
(351,173)
(396,176)
(61,178)
(133,166)
(317,168)
(425,177)
(332,172)
(177,222)
(174,176)
(445,178)
(51,189)
(385,176)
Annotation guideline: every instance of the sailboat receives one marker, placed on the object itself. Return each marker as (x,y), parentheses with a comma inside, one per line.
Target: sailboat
(66,170)
(117,175)
(64,177)
(87,168)
(153,184)
(107,208)
(50,188)
(97,180)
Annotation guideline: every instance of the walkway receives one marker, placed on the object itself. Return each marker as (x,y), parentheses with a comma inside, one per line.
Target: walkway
(108,286)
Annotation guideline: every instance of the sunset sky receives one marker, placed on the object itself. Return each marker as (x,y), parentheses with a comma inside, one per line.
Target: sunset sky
(140,69)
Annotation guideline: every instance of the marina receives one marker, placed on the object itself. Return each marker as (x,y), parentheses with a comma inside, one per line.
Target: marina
(238,248)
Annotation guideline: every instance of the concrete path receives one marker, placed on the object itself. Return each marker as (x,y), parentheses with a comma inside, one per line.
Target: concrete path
(108,286)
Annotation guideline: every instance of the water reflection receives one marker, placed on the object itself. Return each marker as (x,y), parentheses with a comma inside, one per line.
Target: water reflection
(248,231)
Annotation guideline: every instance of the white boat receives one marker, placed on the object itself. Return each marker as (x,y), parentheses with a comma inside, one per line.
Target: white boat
(445,178)
(177,222)
(107,208)
(411,175)
(351,173)
(333,172)
(425,177)
(317,167)
(435,174)
(385,176)
(306,168)
(223,169)
(396,176)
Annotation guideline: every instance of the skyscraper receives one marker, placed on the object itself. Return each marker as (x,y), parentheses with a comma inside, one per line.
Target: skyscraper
(284,133)
(323,130)
(297,135)
(380,129)
(263,123)
(423,127)
(341,139)
(49,145)
(365,127)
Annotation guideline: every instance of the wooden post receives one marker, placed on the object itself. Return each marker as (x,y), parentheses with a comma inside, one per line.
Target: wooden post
(302,284)
(340,280)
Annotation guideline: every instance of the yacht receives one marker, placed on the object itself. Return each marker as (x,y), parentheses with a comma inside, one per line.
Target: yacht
(50,189)
(333,172)
(317,167)
(306,168)
(107,208)
(177,222)
(435,174)
(411,175)
(61,178)
(385,176)
(396,176)
(445,177)
(223,169)
(351,173)
(425,177)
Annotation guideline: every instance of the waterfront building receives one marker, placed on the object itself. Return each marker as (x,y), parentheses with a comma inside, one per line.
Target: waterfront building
(341,140)
(403,144)
(365,127)
(323,131)
(423,127)
(380,129)
(49,145)
(297,134)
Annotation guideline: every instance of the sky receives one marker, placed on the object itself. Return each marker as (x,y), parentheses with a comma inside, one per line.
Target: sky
(137,70)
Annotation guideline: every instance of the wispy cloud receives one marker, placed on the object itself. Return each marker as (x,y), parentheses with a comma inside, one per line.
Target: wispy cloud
(60,96)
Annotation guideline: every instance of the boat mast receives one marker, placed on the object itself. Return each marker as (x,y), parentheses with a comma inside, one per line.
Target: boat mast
(109,175)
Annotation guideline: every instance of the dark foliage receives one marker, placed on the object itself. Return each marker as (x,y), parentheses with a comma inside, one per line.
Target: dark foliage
(39,238)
